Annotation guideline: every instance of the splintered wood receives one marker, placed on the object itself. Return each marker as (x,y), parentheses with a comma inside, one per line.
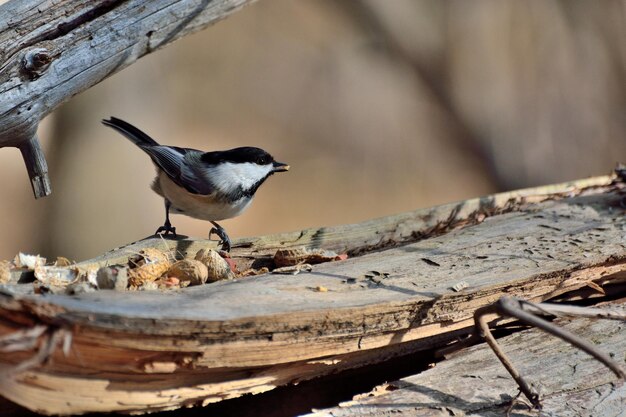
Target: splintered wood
(147,351)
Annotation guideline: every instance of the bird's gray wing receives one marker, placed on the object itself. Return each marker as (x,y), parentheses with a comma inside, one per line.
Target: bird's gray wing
(168,158)
(192,174)
(178,164)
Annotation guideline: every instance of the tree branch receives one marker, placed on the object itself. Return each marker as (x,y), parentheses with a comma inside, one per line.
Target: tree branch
(51,51)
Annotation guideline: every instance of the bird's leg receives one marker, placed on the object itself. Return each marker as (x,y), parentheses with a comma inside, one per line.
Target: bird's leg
(167,227)
(221,233)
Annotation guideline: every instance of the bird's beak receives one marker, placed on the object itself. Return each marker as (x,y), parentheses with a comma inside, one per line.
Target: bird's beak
(280,167)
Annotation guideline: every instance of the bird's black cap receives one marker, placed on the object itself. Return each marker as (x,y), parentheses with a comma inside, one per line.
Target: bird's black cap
(238,155)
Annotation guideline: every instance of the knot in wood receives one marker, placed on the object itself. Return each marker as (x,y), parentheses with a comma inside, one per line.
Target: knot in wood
(35,62)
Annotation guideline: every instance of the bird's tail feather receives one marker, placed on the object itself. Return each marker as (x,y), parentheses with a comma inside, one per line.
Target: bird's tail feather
(138,137)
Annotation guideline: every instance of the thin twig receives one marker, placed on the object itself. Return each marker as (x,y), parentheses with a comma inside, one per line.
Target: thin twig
(525,312)
(517,308)
(573,311)
(482,328)
(517,400)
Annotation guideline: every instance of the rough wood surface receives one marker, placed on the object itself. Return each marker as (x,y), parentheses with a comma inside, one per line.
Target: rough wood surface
(151,350)
(376,234)
(474,383)
(53,50)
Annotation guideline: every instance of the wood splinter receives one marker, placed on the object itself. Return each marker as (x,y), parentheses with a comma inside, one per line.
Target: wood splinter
(527,313)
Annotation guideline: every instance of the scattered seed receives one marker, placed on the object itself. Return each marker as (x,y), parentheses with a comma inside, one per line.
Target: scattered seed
(429,262)
(460,286)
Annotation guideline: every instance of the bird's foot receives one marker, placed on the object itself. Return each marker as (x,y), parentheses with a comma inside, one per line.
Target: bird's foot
(224,239)
(165,230)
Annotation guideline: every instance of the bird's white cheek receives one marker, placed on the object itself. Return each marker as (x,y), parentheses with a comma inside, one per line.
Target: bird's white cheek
(230,177)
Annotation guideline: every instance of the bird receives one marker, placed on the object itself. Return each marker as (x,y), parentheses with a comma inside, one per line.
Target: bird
(209,186)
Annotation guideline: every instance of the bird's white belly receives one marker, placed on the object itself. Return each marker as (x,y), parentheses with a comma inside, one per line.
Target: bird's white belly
(203,207)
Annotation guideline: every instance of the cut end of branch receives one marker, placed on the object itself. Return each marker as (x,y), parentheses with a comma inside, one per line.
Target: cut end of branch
(41,185)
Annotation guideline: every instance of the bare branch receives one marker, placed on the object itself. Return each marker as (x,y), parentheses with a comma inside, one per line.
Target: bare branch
(51,51)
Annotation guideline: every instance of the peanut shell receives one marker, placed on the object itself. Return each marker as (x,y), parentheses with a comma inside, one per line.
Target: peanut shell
(193,271)
(217,267)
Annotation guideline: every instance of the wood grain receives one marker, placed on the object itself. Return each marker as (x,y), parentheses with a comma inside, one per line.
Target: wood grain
(143,351)
(474,383)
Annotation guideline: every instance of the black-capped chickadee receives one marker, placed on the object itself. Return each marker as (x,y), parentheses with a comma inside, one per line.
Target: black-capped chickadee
(205,185)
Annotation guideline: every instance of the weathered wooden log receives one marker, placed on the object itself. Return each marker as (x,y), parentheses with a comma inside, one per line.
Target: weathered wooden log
(145,351)
(475,383)
(51,51)
(371,235)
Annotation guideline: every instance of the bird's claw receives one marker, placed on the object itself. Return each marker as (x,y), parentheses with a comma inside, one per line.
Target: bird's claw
(165,230)
(224,239)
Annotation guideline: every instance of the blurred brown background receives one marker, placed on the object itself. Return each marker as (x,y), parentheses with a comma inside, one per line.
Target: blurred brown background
(380,106)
